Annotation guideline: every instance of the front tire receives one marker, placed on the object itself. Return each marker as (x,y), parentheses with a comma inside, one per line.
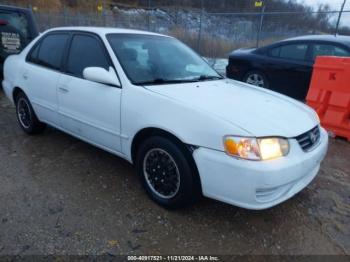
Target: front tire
(166,174)
(26,116)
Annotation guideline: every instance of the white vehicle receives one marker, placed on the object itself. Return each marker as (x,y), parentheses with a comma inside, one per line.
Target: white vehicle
(151,100)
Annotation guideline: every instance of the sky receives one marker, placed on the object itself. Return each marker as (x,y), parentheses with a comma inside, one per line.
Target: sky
(335,6)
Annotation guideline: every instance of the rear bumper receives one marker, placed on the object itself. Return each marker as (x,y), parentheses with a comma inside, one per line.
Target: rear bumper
(230,73)
(254,184)
(235,72)
(7,89)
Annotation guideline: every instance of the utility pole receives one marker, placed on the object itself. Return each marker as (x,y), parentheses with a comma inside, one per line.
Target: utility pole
(260,4)
(149,15)
(339,17)
(200,27)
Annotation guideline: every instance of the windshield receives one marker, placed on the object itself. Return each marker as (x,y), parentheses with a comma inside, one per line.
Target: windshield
(149,59)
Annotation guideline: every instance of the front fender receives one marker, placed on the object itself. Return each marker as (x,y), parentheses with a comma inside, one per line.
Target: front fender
(142,109)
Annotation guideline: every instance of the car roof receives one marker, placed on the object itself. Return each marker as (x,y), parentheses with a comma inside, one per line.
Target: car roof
(102,30)
(341,39)
(13,8)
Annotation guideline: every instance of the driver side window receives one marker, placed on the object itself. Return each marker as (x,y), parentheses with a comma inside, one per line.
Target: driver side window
(85,51)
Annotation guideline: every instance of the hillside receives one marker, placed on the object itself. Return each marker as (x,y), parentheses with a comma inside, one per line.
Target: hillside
(321,21)
(209,5)
(211,34)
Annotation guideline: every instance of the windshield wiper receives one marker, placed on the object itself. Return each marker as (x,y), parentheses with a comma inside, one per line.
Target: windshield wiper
(208,77)
(162,81)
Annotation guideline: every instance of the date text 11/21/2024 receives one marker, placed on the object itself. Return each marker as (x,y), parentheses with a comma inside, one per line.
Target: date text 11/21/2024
(173,258)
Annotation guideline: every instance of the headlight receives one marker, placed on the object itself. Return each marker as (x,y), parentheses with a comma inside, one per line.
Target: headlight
(256,149)
(271,148)
(242,147)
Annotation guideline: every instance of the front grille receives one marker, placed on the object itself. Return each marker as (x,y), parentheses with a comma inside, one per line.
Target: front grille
(310,139)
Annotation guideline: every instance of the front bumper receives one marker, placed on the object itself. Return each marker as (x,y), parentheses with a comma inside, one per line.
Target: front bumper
(258,184)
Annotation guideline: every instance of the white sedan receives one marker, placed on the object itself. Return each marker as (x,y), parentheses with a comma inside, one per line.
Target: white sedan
(151,100)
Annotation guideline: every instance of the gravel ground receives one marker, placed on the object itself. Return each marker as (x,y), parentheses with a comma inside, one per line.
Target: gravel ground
(59,195)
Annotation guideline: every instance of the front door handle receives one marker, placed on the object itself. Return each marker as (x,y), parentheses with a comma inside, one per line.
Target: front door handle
(63,90)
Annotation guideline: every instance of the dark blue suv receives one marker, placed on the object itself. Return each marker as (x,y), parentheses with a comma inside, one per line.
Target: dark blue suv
(17,29)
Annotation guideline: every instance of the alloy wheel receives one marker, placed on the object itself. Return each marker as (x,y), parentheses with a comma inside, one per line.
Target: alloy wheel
(256,80)
(23,111)
(161,173)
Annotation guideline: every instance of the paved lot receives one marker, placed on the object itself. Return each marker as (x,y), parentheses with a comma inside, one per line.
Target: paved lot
(62,196)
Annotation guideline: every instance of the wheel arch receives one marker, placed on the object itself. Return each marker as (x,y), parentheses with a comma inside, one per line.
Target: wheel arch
(15,93)
(146,133)
(149,132)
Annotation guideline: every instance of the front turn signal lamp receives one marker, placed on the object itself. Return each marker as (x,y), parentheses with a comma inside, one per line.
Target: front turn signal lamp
(256,148)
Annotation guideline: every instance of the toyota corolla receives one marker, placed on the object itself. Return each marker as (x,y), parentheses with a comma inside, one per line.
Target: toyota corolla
(151,100)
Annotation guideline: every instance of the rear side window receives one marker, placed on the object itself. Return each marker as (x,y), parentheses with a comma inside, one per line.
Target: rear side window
(86,51)
(33,55)
(275,52)
(328,50)
(294,52)
(51,50)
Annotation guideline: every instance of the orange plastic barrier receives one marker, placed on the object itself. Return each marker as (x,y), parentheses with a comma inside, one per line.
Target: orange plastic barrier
(329,94)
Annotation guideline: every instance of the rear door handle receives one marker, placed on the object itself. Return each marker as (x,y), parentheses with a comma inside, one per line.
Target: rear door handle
(63,90)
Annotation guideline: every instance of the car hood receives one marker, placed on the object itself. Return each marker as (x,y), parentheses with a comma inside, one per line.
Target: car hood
(258,111)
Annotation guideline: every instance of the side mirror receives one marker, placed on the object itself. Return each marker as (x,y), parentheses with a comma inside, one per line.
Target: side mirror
(101,75)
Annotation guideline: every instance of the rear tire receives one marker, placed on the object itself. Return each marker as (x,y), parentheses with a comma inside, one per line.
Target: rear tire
(166,174)
(26,116)
(256,78)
